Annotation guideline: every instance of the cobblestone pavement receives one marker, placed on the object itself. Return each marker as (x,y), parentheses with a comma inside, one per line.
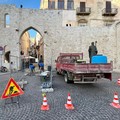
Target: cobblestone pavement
(91,101)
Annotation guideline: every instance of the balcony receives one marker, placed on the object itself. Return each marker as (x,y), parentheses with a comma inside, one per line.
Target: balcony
(109,12)
(83,11)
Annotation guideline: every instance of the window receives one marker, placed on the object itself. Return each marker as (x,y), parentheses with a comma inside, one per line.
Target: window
(82,6)
(108,6)
(108,23)
(60,4)
(51,4)
(7,20)
(70,4)
(82,22)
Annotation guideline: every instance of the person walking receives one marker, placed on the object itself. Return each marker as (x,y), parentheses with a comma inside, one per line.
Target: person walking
(92,51)
(41,64)
(31,67)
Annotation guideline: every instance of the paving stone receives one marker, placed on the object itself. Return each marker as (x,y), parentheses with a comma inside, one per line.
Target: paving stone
(91,101)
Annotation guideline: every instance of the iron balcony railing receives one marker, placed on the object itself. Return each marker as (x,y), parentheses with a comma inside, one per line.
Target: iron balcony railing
(109,12)
(83,11)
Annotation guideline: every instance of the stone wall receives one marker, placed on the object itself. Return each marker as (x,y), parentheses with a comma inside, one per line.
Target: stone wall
(59,38)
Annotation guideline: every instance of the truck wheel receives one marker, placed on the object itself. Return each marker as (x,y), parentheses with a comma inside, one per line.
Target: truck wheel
(66,78)
(57,72)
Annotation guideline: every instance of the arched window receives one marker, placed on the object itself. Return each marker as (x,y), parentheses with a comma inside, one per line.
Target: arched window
(82,22)
(60,4)
(70,4)
(51,4)
(7,20)
(7,57)
(6,54)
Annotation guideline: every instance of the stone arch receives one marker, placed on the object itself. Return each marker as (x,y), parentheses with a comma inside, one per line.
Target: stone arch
(82,22)
(38,46)
(6,54)
(29,29)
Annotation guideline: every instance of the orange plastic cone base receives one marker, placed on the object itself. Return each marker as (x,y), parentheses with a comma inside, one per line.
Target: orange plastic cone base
(44,107)
(115,105)
(118,83)
(69,107)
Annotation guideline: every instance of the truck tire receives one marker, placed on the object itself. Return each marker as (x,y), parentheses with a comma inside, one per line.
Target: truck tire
(57,71)
(66,78)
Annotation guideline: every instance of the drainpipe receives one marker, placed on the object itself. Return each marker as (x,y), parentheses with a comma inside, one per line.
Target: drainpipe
(116,57)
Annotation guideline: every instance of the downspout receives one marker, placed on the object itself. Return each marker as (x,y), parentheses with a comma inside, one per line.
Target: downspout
(116,55)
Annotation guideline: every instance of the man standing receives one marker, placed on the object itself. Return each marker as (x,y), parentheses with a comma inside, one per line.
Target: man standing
(41,63)
(92,51)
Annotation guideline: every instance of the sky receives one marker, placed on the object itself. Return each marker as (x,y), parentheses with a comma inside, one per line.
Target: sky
(32,33)
(30,4)
(35,4)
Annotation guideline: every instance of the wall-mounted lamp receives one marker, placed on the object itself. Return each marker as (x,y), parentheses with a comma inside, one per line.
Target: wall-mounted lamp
(45,32)
(17,29)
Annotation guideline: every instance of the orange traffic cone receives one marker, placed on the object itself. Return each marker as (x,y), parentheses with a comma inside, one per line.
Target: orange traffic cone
(44,106)
(115,102)
(69,104)
(118,82)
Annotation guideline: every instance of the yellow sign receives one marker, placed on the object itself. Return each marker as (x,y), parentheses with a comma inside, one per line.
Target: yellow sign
(12,89)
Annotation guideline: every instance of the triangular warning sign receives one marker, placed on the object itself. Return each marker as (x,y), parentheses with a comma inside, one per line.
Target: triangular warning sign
(12,89)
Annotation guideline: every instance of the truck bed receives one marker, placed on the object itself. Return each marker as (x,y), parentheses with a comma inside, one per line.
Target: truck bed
(87,68)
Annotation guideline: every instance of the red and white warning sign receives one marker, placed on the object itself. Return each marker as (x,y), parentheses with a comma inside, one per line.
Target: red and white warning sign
(12,89)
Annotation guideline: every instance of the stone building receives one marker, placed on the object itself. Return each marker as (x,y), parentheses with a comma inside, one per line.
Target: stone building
(25,43)
(40,43)
(66,27)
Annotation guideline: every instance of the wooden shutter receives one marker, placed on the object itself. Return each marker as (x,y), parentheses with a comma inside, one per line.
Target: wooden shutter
(108,6)
(82,6)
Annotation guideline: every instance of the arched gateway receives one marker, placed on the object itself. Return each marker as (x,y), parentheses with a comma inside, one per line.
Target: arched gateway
(61,30)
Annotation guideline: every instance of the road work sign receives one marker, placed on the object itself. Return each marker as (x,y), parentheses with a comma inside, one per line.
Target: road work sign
(12,89)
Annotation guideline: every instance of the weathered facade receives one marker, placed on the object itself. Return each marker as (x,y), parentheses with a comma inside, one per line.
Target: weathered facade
(65,30)
(25,43)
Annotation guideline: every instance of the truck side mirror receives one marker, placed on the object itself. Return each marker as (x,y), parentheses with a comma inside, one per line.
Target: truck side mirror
(55,60)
